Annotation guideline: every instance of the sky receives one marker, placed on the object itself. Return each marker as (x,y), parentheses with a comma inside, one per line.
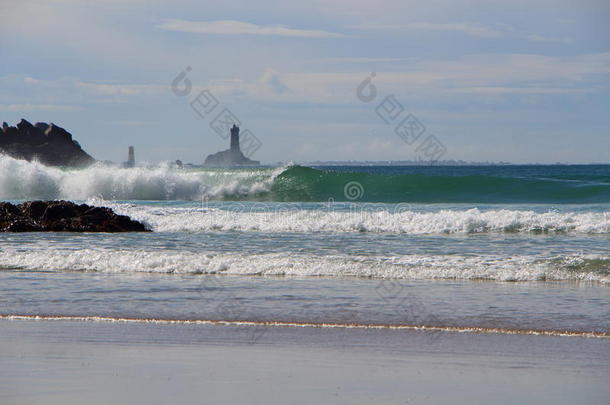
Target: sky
(517,81)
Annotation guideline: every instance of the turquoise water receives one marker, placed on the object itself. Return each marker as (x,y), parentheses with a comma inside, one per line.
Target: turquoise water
(517,247)
(439,184)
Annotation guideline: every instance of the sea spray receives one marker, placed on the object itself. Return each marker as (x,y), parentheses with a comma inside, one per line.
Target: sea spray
(24,180)
(21,180)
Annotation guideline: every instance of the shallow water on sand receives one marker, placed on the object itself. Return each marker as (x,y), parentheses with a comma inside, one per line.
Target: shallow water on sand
(66,362)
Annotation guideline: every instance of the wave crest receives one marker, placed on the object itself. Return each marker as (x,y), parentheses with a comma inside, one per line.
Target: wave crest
(522,268)
(25,180)
(20,179)
(274,217)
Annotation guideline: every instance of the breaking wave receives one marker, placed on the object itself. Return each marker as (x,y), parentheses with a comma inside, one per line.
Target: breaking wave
(24,180)
(384,219)
(592,268)
(21,180)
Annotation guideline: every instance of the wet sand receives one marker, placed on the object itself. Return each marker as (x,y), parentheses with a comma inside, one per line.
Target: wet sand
(75,362)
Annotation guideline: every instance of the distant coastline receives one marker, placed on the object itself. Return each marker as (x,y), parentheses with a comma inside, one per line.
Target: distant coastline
(438,163)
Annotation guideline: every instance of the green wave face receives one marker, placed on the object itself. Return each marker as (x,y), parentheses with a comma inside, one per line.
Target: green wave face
(299,183)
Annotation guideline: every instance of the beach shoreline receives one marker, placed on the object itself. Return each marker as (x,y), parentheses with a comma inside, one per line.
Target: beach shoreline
(61,361)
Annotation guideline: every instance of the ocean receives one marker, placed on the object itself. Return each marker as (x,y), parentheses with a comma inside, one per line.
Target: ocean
(473,249)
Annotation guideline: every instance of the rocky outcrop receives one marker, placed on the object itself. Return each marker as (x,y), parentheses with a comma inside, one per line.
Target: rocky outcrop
(229,158)
(63,216)
(47,143)
(232,156)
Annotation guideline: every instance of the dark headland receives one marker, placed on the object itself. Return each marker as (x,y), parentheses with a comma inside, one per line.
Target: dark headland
(232,156)
(48,144)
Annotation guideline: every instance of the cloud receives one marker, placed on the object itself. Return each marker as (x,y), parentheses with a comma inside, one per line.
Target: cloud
(473,30)
(540,38)
(123,89)
(272,80)
(26,93)
(519,90)
(232,27)
(468,29)
(39,107)
(360,60)
(475,75)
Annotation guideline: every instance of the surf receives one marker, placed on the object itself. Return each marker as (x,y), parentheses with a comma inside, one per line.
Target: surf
(360,218)
(22,180)
(575,268)
(299,183)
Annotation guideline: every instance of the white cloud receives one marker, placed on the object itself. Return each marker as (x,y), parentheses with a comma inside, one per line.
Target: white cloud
(469,29)
(231,27)
(473,30)
(519,90)
(39,107)
(26,93)
(360,60)
(540,38)
(477,75)
(123,89)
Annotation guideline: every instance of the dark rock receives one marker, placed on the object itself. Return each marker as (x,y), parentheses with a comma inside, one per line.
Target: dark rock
(63,216)
(21,225)
(8,210)
(24,126)
(58,211)
(57,134)
(47,143)
(42,126)
(34,209)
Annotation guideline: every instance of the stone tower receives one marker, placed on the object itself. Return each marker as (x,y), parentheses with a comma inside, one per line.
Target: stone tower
(131,159)
(232,156)
(235,138)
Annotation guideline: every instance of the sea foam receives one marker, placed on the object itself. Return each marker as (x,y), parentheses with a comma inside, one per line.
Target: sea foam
(263,217)
(20,179)
(500,268)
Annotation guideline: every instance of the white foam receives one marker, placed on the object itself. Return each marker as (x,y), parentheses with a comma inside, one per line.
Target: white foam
(521,268)
(286,218)
(284,324)
(20,179)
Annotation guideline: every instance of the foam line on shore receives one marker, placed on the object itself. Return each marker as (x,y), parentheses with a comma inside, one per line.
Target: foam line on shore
(288,324)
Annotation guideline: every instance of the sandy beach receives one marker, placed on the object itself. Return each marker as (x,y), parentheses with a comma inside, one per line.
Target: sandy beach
(75,362)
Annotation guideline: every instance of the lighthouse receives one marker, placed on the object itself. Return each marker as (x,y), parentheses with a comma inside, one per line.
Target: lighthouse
(235,138)
(232,156)
(131,159)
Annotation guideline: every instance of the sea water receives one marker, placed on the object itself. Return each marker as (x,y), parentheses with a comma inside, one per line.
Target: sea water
(499,248)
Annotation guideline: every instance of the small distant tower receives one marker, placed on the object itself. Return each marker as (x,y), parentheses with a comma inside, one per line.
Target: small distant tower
(131,160)
(235,138)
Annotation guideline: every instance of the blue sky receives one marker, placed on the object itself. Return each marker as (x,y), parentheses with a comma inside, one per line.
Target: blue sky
(519,81)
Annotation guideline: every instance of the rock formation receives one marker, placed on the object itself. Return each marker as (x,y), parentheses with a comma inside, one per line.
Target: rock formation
(232,156)
(63,216)
(47,143)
